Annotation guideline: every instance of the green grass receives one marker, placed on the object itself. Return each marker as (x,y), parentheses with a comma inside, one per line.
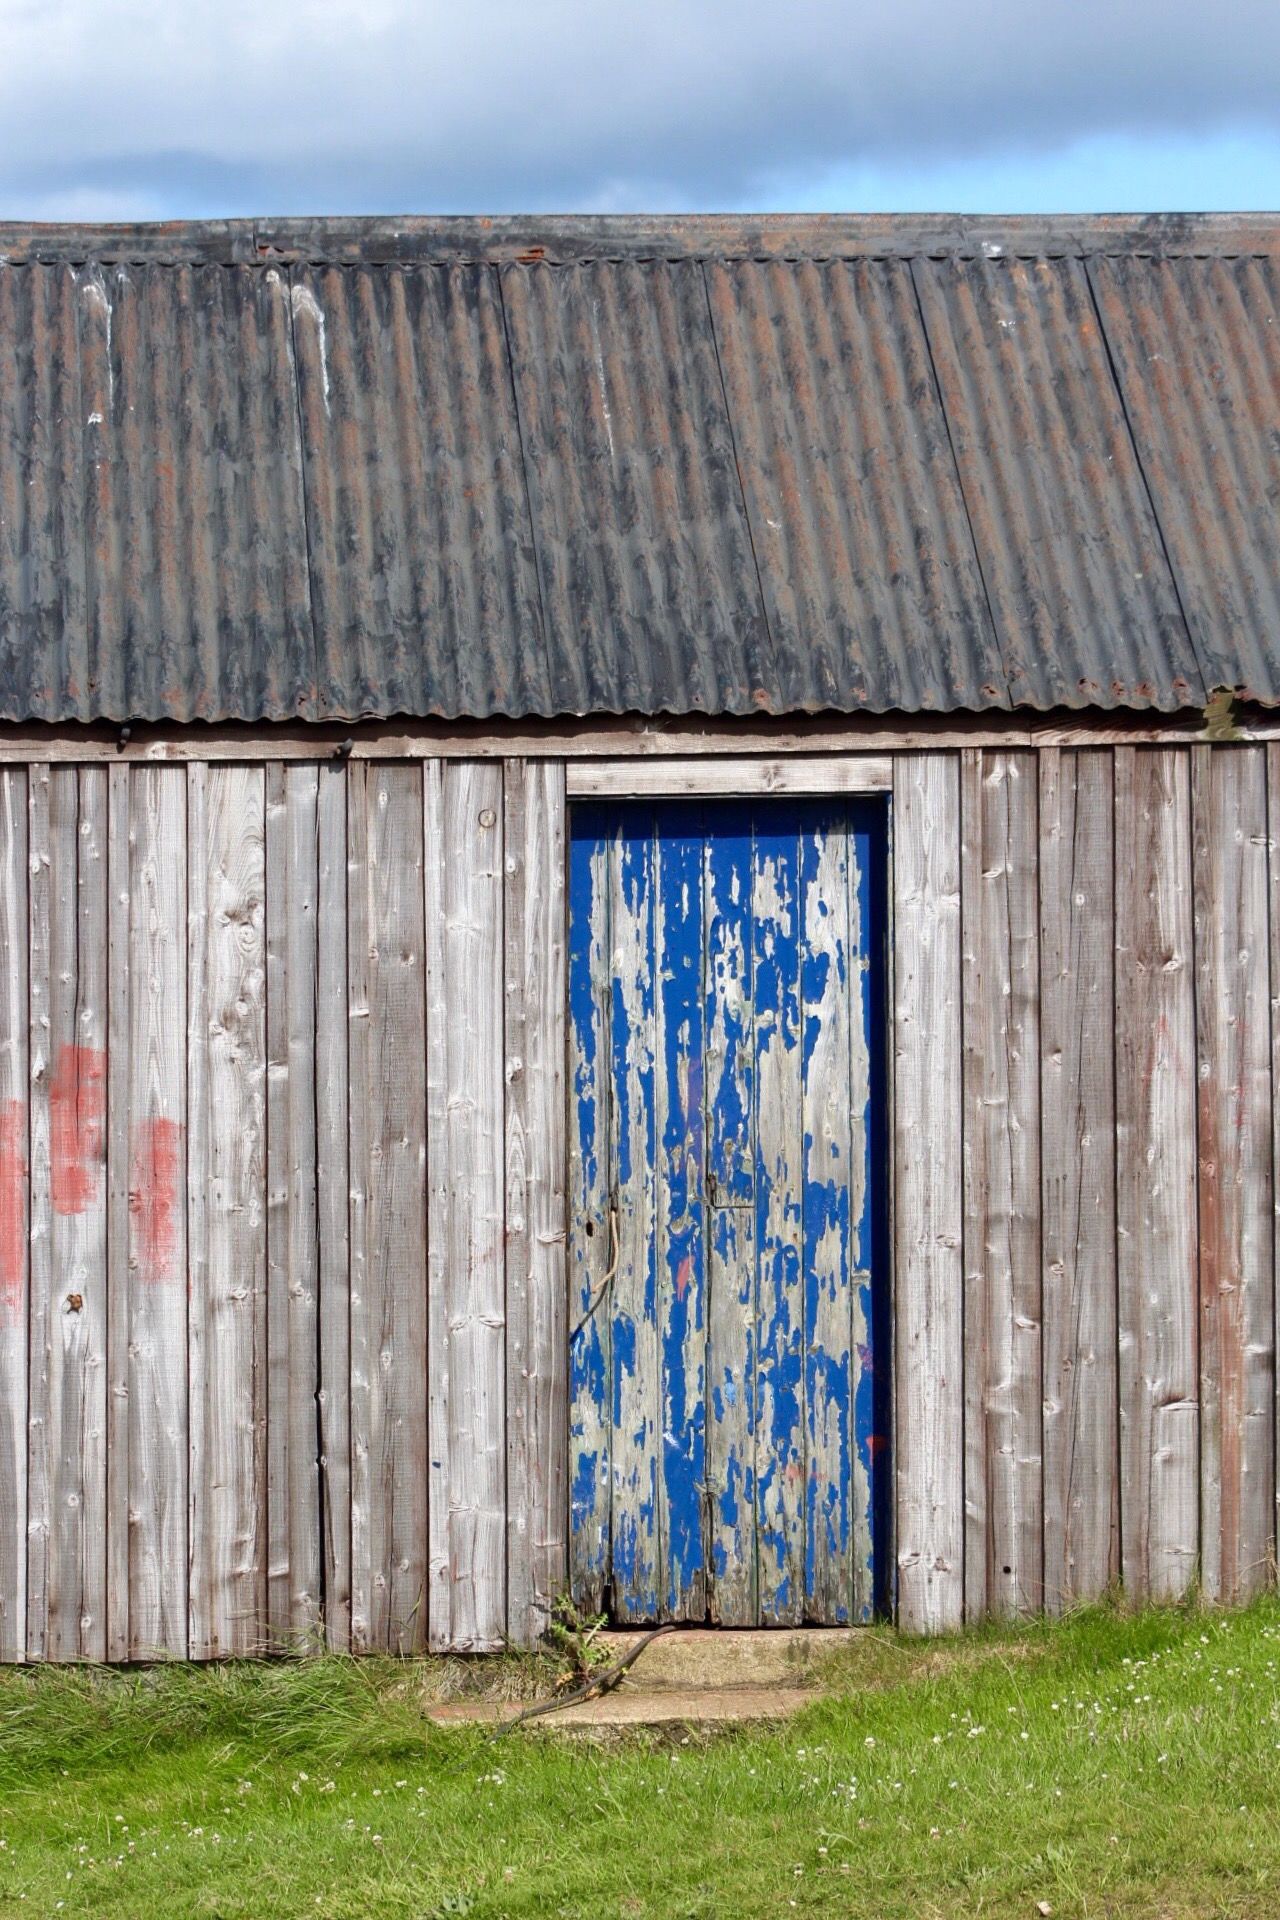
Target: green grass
(1115,1765)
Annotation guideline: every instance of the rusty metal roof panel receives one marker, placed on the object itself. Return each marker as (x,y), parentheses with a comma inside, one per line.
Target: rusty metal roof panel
(152,557)
(1197,353)
(1085,605)
(649,588)
(872,586)
(423,574)
(725,465)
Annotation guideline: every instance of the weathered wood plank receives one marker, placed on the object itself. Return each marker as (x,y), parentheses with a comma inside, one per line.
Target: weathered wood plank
(537,1327)
(119,1170)
(474,1225)
(636,1546)
(779,1412)
(439,1355)
(388,1170)
(1077,1156)
(1156,1174)
(870,1395)
(157,1257)
(516,1017)
(731,1240)
(1273,879)
(678,1224)
(928,1192)
(661,737)
(41,1468)
(828,1173)
(729,774)
(227,1166)
(1004,1566)
(14,1033)
(293,1484)
(363,1359)
(67,1515)
(592,1201)
(200,1455)
(1234,1145)
(333,1199)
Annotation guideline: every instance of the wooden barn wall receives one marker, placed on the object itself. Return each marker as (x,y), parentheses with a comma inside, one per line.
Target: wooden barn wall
(283,1319)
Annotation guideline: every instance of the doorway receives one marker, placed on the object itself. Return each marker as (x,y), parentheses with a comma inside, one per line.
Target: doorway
(729,1348)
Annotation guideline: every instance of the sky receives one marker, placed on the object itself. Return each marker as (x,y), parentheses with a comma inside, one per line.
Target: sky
(204,108)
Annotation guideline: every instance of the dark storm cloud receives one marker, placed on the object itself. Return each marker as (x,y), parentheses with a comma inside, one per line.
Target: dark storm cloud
(379,103)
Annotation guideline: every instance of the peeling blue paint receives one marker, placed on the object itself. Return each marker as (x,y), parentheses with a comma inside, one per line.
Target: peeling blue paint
(678,967)
(728,1089)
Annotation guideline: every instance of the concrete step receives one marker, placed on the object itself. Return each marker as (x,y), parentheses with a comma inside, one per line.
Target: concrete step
(628,1706)
(696,1676)
(719,1657)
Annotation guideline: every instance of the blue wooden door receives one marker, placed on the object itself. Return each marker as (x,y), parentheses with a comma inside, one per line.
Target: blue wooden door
(728,1350)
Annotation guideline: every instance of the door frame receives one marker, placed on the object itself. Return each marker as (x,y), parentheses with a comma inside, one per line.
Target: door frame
(846,774)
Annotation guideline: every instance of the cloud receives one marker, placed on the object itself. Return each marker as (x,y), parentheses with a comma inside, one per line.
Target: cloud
(309,105)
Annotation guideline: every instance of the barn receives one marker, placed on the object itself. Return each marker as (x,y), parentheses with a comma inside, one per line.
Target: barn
(637,864)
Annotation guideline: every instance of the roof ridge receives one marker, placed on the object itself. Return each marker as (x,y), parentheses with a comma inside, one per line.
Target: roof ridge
(565,238)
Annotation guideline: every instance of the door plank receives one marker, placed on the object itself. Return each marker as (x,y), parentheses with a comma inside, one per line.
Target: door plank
(679,1250)
(871,1343)
(633,1143)
(779,1418)
(590,1201)
(731,1240)
(928,1192)
(1156,1174)
(1077,945)
(828,1164)
(1237,1300)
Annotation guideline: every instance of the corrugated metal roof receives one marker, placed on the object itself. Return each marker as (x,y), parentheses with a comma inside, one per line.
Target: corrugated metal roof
(153,557)
(1084,603)
(871,583)
(1195,349)
(387,468)
(424,583)
(649,589)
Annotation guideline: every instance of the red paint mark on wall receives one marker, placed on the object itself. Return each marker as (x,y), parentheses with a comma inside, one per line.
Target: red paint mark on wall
(77,1104)
(13,1206)
(684,1273)
(153,1196)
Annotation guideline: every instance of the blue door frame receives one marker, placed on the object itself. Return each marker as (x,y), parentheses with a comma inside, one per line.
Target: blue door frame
(729,1347)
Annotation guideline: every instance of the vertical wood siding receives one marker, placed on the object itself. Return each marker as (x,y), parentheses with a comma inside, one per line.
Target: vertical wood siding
(290,1288)
(1078,1178)
(929,1409)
